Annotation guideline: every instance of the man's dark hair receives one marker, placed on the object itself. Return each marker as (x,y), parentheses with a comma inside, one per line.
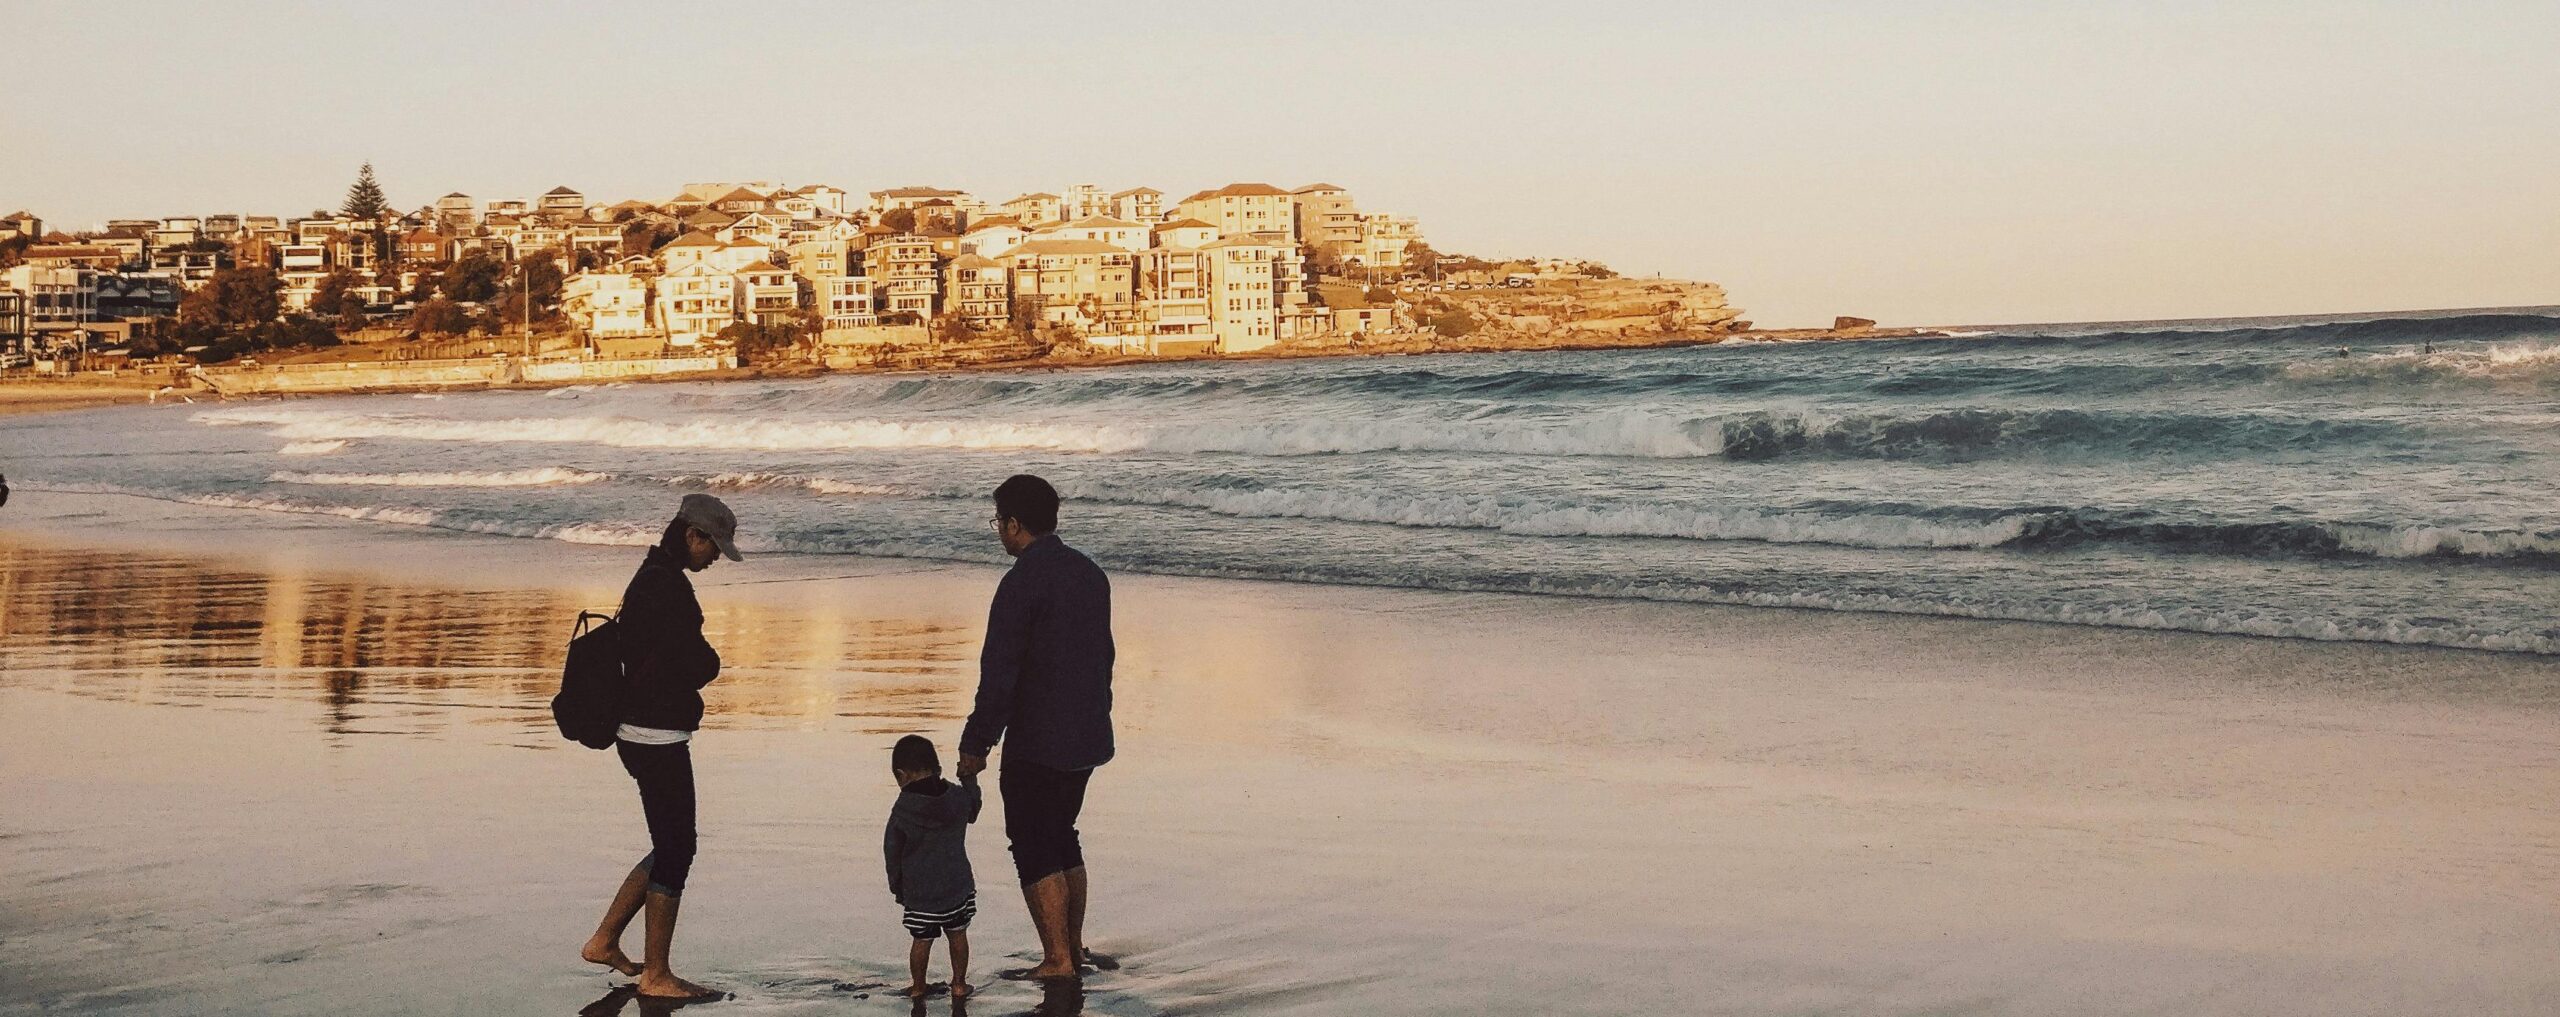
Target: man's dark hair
(914,754)
(672,541)
(1028,500)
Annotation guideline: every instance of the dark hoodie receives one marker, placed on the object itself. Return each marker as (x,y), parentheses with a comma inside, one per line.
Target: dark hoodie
(928,845)
(667,660)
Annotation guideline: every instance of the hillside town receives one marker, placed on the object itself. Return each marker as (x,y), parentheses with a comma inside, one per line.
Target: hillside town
(757,271)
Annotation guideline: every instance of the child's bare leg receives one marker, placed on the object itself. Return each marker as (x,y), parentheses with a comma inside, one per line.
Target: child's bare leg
(918,954)
(959,965)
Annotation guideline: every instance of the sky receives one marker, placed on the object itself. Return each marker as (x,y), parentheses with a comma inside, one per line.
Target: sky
(1914,162)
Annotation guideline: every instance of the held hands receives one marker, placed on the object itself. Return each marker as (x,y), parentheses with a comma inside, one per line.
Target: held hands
(971,766)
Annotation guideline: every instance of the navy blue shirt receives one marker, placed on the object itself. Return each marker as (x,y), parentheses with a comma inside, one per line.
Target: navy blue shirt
(1045,675)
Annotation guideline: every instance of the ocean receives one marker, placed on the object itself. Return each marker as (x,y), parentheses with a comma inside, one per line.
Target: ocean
(2385,479)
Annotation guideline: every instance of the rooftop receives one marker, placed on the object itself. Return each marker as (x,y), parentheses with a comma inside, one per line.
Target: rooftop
(1240,191)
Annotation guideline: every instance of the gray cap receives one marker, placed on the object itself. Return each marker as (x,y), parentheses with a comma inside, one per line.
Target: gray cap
(706,513)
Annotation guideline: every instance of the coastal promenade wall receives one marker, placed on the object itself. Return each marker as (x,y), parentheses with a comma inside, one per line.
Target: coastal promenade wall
(435,375)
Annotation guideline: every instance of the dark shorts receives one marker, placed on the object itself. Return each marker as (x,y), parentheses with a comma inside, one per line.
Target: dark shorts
(1040,809)
(665,776)
(932,924)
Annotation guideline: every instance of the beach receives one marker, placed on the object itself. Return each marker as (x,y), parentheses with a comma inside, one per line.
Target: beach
(301,764)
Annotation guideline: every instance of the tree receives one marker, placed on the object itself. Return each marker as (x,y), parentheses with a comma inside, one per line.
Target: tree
(1380,296)
(301,330)
(1420,259)
(364,199)
(539,272)
(1026,315)
(331,297)
(902,220)
(474,278)
(439,316)
(949,327)
(425,287)
(646,236)
(244,295)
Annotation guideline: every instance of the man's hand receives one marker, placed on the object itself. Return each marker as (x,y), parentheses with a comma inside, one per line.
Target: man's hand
(971,766)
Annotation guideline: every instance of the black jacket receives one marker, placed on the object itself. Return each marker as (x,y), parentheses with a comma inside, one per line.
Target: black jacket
(1045,675)
(927,845)
(664,656)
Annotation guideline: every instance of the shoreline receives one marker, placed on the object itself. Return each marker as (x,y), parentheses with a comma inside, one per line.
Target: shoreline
(17,395)
(1900,814)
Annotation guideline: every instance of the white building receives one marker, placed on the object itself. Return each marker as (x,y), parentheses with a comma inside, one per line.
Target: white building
(1121,233)
(695,302)
(607,304)
(1242,290)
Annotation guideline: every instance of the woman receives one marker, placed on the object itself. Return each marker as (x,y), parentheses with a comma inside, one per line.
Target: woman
(666,662)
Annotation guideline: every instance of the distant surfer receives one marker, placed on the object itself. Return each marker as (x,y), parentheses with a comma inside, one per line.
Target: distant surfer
(2342,353)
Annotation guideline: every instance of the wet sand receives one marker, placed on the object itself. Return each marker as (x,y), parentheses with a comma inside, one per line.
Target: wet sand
(307,769)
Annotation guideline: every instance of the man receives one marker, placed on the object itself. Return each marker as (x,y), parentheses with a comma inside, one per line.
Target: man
(1045,679)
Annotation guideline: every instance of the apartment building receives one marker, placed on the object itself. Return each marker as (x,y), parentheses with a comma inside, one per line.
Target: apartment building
(1182,233)
(904,266)
(980,290)
(1084,201)
(1242,283)
(767,293)
(885,202)
(695,302)
(608,305)
(989,238)
(1138,204)
(53,295)
(1173,291)
(1121,233)
(847,301)
(1385,242)
(1034,209)
(456,212)
(1084,283)
(562,203)
(1244,208)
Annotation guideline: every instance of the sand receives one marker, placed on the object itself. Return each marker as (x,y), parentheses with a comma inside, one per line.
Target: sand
(306,769)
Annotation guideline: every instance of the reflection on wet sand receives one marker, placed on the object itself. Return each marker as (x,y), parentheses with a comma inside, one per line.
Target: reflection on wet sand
(397,659)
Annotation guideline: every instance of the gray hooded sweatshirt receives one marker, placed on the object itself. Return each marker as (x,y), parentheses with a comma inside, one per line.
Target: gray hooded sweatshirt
(927,845)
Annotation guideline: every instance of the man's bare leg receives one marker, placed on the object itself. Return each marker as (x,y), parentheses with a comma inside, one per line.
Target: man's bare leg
(656,978)
(919,953)
(1075,915)
(959,965)
(605,947)
(1047,899)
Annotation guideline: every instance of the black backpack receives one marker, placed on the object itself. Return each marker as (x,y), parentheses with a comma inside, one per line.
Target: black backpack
(589,706)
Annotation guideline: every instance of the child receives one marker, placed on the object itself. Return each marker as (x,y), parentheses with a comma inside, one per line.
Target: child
(927,848)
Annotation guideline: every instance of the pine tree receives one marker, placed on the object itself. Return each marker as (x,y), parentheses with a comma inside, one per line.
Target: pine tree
(364,200)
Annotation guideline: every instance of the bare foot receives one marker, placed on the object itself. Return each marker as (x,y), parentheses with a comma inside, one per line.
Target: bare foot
(960,990)
(611,956)
(916,991)
(1051,969)
(671,987)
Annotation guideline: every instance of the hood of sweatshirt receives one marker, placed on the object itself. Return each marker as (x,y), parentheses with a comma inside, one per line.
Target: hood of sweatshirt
(934,803)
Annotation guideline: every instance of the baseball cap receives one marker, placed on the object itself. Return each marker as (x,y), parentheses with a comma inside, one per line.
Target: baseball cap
(706,513)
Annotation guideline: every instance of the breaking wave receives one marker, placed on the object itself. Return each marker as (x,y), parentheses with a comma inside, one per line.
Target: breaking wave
(548,476)
(1963,433)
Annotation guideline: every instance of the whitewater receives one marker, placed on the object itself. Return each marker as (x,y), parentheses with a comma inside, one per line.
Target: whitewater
(2378,478)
